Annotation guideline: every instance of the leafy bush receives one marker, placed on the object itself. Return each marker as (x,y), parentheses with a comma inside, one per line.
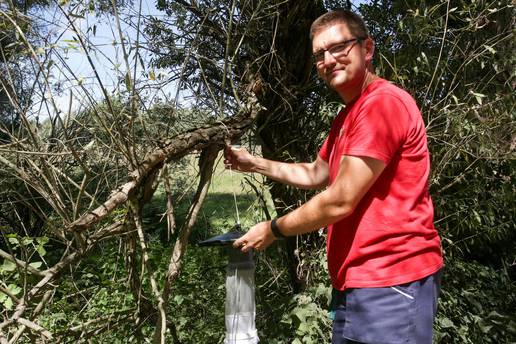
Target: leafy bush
(309,318)
(476,305)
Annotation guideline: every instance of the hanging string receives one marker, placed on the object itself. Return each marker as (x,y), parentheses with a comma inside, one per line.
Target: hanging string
(234,195)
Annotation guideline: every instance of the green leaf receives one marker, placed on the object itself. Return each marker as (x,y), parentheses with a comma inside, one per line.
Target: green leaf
(478,97)
(42,240)
(14,289)
(13,240)
(8,304)
(477,216)
(26,241)
(425,58)
(490,49)
(300,314)
(41,250)
(446,323)
(35,265)
(8,266)
(303,327)
(179,299)
(485,328)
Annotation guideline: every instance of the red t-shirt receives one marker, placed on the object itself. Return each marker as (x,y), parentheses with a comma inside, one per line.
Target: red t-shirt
(390,238)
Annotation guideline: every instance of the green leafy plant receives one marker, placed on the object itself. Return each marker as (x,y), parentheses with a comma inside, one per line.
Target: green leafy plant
(476,305)
(309,317)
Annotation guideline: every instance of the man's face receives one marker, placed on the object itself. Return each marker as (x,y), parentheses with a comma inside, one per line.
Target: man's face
(343,67)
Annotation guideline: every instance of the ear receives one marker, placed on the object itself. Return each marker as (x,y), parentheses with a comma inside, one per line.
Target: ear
(369,48)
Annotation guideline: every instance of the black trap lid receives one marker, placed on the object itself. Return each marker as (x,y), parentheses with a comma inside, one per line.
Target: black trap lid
(222,240)
(226,239)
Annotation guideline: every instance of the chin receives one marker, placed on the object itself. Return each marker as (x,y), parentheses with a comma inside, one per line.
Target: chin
(336,83)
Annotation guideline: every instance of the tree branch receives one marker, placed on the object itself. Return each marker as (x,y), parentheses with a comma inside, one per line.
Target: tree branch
(206,163)
(173,149)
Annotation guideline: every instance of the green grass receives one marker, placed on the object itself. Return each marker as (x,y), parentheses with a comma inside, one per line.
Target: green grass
(227,186)
(218,213)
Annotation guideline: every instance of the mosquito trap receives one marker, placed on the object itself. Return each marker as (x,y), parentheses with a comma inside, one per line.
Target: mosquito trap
(240,303)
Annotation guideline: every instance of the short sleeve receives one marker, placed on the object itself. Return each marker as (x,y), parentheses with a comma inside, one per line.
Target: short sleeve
(323,152)
(328,145)
(378,129)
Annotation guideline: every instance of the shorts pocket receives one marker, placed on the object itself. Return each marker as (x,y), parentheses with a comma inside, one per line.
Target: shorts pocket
(380,315)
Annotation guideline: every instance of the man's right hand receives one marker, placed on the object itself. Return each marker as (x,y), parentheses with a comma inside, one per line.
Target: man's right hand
(239,159)
(313,175)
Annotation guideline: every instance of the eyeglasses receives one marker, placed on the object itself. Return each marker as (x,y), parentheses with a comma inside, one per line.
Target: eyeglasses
(338,50)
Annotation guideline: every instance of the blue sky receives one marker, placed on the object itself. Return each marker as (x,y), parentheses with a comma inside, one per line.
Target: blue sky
(107,55)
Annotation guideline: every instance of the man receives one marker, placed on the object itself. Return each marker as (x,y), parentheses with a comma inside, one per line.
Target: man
(384,254)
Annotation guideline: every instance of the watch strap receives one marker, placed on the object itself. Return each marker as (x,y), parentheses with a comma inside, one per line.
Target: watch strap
(275,229)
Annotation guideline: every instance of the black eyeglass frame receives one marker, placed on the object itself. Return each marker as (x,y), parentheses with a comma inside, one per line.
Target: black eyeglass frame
(318,56)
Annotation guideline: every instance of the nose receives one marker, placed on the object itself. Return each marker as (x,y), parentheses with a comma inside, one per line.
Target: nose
(329,59)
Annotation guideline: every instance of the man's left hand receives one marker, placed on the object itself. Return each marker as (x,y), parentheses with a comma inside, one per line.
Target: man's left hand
(259,237)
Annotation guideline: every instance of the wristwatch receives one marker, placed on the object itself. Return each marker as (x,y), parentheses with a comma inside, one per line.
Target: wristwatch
(275,229)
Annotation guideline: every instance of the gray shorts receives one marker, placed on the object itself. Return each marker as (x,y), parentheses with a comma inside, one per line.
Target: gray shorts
(387,315)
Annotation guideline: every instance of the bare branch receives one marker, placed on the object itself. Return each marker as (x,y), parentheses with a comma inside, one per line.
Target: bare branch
(8,293)
(35,327)
(174,148)
(206,163)
(22,264)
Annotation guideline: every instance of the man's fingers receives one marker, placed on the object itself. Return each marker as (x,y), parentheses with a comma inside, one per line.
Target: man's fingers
(237,243)
(227,152)
(229,160)
(243,244)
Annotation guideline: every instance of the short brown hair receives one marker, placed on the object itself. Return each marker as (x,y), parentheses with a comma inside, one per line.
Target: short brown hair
(354,22)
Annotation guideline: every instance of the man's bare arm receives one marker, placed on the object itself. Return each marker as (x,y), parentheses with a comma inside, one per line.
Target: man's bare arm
(312,175)
(355,178)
